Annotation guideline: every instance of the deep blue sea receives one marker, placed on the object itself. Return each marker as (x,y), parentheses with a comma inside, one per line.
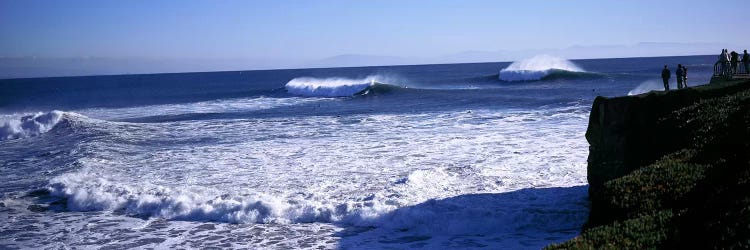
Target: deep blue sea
(478,155)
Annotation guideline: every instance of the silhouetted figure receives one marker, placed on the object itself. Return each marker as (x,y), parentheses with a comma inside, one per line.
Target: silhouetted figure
(723,61)
(678,74)
(665,74)
(746,61)
(735,60)
(684,76)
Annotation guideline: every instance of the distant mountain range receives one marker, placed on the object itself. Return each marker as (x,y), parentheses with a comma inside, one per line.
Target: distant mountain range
(645,49)
(20,67)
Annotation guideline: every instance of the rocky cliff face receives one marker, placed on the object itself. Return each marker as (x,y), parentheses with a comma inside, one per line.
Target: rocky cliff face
(670,170)
(627,133)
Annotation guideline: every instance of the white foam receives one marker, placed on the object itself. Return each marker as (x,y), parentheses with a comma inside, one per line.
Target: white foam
(536,68)
(90,191)
(329,87)
(388,171)
(648,85)
(26,125)
(87,191)
(222,105)
(249,179)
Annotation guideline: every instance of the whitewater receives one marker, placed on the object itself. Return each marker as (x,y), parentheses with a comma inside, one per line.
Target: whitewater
(434,157)
(537,68)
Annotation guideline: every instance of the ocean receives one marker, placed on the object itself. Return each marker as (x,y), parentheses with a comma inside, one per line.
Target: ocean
(477,155)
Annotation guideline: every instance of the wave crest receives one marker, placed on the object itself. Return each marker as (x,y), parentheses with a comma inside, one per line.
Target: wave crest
(563,208)
(647,86)
(335,86)
(537,68)
(22,126)
(90,192)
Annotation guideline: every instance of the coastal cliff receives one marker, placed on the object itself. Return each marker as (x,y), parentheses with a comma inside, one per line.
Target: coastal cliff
(669,169)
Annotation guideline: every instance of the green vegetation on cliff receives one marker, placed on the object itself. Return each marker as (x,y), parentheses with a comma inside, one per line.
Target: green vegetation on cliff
(669,170)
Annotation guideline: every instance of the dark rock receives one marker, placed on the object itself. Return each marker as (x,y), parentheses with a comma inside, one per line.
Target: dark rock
(626,133)
(669,170)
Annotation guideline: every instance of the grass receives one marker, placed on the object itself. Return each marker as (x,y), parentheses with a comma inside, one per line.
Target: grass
(696,196)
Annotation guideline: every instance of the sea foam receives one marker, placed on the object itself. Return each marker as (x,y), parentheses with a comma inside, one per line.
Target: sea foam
(398,175)
(648,85)
(22,126)
(536,68)
(331,87)
(230,105)
(258,181)
(91,192)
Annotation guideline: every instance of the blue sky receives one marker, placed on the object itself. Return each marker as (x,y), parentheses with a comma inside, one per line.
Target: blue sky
(298,31)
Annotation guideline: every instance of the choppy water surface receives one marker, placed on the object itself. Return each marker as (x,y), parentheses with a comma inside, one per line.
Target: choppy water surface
(433,156)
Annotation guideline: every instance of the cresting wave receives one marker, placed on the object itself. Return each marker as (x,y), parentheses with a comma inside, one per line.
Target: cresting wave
(537,68)
(394,203)
(336,86)
(22,126)
(88,192)
(648,85)
(162,111)
(85,192)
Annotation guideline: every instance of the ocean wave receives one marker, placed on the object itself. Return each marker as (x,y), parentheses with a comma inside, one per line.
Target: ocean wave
(538,68)
(163,112)
(28,125)
(337,87)
(647,86)
(89,192)
(507,211)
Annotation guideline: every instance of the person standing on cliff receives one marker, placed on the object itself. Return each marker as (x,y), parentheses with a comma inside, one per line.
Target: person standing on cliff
(746,61)
(665,75)
(684,76)
(735,60)
(678,73)
(723,61)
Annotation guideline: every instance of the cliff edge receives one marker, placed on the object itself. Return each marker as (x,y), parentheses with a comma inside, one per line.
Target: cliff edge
(669,170)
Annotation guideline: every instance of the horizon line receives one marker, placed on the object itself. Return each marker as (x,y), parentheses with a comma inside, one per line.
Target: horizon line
(333,67)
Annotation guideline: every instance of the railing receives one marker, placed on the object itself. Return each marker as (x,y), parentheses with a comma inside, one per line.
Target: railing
(729,70)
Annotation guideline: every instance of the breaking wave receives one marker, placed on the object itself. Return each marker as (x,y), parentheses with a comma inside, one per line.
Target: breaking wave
(647,86)
(87,191)
(539,68)
(28,125)
(337,87)
(562,208)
